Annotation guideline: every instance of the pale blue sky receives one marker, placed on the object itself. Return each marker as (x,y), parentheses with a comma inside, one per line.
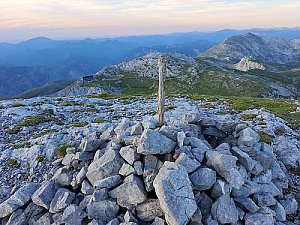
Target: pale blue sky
(20,19)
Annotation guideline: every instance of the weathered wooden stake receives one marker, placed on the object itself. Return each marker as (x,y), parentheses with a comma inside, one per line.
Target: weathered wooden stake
(161,91)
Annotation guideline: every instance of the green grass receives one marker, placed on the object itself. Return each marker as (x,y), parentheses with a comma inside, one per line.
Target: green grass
(17,105)
(33,121)
(62,150)
(22,145)
(40,158)
(248,117)
(98,120)
(79,124)
(264,137)
(13,163)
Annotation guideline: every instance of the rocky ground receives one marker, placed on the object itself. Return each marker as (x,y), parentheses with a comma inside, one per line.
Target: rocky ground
(96,161)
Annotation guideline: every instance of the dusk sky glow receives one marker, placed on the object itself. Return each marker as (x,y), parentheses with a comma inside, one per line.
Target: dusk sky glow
(59,19)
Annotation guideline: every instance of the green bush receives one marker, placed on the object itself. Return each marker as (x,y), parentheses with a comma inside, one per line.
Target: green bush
(17,105)
(61,151)
(264,137)
(13,163)
(98,120)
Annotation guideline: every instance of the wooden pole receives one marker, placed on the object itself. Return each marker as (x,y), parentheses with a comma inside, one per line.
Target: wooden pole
(161,91)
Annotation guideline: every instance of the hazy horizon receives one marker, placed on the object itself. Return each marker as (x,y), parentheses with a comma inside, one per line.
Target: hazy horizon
(20,20)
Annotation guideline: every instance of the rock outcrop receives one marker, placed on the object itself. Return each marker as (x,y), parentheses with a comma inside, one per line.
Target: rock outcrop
(247,64)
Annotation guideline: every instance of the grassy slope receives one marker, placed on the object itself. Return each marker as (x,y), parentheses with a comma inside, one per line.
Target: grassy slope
(46,89)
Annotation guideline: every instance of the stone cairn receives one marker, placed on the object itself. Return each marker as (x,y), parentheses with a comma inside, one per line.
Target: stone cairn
(194,171)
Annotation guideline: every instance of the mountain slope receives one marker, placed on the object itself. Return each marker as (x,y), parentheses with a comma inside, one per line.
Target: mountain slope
(266,50)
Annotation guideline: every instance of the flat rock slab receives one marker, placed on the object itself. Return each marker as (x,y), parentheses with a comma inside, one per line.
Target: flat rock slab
(20,198)
(153,142)
(175,194)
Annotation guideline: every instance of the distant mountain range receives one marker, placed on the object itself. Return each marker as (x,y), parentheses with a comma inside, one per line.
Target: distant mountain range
(38,61)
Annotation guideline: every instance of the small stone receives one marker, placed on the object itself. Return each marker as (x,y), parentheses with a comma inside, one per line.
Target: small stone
(100,195)
(180,138)
(126,170)
(109,182)
(105,210)
(259,219)
(108,165)
(73,215)
(149,210)
(138,167)
(129,217)
(174,191)
(45,194)
(131,193)
(290,204)
(158,221)
(247,204)
(62,177)
(225,165)
(136,129)
(220,188)
(153,142)
(189,164)
(90,145)
(248,137)
(62,199)
(151,167)
(243,158)
(224,210)
(17,218)
(215,132)
(86,188)
(280,212)
(129,153)
(68,159)
(203,179)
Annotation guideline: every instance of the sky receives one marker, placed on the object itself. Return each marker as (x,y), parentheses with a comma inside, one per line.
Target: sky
(67,19)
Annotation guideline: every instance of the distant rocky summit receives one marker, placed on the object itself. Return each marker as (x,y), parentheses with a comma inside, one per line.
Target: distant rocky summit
(95,161)
(263,49)
(247,64)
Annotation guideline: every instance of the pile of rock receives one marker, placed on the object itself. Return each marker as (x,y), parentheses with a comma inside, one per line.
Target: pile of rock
(194,171)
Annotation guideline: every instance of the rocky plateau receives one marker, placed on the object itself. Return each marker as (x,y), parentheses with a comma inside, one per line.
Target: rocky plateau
(96,161)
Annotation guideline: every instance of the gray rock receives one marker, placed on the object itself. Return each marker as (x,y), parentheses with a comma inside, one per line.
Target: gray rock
(225,165)
(280,212)
(196,143)
(129,153)
(86,188)
(180,138)
(264,199)
(224,210)
(169,132)
(203,179)
(107,134)
(215,132)
(151,167)
(247,189)
(136,129)
(17,218)
(108,165)
(126,170)
(204,202)
(105,210)
(190,118)
(45,194)
(226,126)
(174,191)
(90,145)
(109,182)
(248,137)
(68,159)
(46,219)
(207,122)
(224,148)
(153,142)
(84,156)
(259,219)
(149,210)
(158,221)
(129,217)
(131,193)
(243,158)
(73,215)
(247,204)
(290,204)
(100,195)
(63,177)
(138,167)
(114,221)
(189,164)
(62,199)
(196,218)
(220,188)
(18,199)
